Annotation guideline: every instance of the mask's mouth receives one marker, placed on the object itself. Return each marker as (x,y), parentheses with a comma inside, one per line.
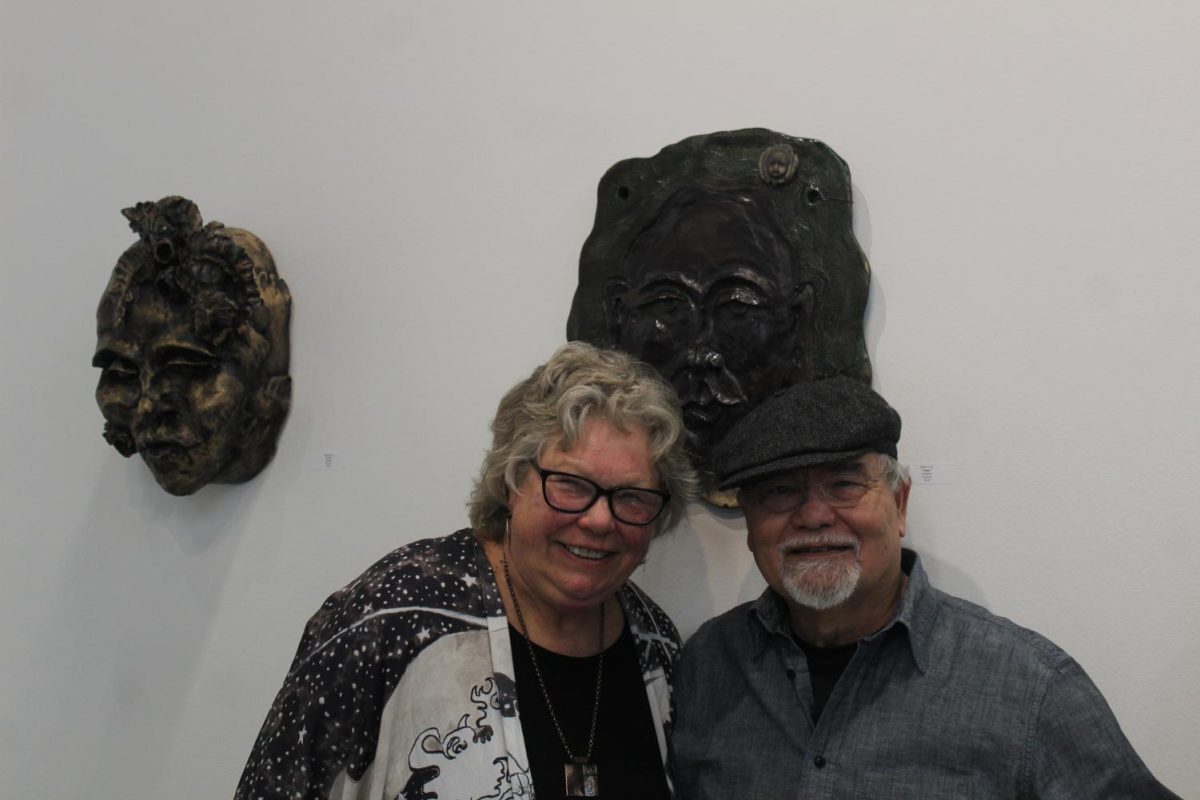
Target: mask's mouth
(165,453)
(164,434)
(698,416)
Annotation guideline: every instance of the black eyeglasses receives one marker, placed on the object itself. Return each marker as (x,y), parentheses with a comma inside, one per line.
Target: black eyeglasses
(575,494)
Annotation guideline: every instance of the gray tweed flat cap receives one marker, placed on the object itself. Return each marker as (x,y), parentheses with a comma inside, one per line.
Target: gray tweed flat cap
(804,425)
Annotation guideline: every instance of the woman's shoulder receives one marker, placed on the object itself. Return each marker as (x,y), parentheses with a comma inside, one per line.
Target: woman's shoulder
(453,554)
(438,573)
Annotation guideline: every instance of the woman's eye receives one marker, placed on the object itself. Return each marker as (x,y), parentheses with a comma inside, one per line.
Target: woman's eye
(571,486)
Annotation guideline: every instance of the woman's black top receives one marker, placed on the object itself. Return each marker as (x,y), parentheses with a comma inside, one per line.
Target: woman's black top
(626,751)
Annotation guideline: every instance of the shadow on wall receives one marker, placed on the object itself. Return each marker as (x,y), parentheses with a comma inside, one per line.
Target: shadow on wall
(949,577)
(139,599)
(702,569)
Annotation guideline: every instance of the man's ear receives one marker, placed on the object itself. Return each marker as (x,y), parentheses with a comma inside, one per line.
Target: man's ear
(902,504)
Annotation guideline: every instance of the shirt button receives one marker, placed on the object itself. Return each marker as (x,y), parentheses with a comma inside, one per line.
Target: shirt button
(819,762)
(791,673)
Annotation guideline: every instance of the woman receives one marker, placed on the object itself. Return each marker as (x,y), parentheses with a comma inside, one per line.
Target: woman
(514,655)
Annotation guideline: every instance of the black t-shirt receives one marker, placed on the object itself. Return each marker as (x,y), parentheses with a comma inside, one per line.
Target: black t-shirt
(626,751)
(825,667)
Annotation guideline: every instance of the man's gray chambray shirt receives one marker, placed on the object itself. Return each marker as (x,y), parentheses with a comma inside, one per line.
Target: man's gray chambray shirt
(947,701)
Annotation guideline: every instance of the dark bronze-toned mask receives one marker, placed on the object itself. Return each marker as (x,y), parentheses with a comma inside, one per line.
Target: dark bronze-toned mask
(729,263)
(192,341)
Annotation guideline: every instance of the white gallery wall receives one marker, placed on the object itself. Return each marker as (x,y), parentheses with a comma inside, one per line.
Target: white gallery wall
(1027,189)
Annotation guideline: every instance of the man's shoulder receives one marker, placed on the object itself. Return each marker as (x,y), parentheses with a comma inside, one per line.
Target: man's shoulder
(729,629)
(960,623)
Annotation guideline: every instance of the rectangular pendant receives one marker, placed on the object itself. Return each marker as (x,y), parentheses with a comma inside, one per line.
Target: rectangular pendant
(583,780)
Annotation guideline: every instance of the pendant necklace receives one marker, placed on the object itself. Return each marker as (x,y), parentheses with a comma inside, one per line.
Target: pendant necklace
(582,777)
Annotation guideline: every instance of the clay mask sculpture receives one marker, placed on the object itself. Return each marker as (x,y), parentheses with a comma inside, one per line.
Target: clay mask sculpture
(193,349)
(729,263)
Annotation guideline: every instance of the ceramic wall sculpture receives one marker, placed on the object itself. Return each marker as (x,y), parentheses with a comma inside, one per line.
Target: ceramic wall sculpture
(192,344)
(728,261)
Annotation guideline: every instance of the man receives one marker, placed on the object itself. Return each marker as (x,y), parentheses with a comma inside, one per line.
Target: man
(851,676)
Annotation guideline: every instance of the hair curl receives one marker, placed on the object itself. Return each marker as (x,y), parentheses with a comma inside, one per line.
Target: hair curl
(552,405)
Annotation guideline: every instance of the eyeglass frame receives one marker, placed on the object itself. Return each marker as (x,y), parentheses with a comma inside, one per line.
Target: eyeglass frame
(812,490)
(601,492)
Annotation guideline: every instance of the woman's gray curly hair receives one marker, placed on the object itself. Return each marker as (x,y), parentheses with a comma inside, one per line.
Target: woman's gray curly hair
(579,382)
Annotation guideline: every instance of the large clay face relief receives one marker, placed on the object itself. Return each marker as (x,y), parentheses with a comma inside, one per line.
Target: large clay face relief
(728,262)
(192,343)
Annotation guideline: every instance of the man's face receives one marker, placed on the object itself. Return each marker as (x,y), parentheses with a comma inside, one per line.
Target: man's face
(818,556)
(712,306)
(180,400)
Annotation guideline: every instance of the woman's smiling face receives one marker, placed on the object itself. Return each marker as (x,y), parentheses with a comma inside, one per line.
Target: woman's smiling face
(565,563)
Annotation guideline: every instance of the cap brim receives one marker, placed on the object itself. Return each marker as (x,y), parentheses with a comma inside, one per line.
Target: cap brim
(787,464)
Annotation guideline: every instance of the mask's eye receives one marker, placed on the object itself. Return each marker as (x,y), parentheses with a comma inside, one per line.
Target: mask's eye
(667,307)
(189,362)
(739,303)
(116,368)
(192,364)
(736,309)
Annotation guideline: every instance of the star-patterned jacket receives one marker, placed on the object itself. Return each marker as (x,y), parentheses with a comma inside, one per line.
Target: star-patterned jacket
(402,687)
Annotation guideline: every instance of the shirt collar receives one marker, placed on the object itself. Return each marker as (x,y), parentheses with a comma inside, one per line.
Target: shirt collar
(771,612)
(916,614)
